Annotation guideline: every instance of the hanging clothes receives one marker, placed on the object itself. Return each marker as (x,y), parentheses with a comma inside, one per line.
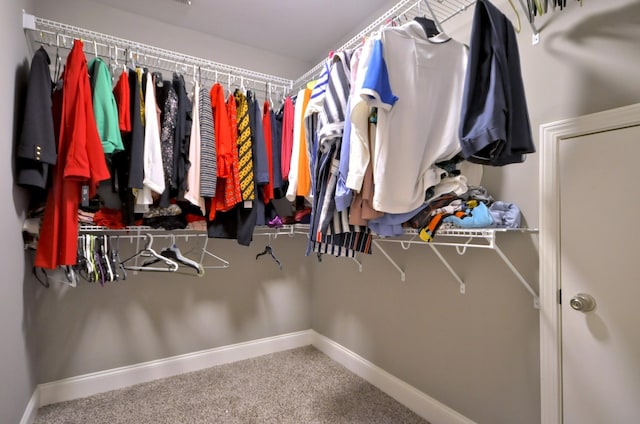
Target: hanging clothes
(153,181)
(167,138)
(228,184)
(298,149)
(192,194)
(260,161)
(105,109)
(246,142)
(268,141)
(183,129)
(36,150)
(494,125)
(208,156)
(288,113)
(416,83)
(276,154)
(121,94)
(81,161)
(329,230)
(128,165)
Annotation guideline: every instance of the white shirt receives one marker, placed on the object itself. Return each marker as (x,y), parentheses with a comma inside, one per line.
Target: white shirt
(153,171)
(416,83)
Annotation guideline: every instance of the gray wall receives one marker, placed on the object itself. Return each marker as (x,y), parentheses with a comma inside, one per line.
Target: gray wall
(157,315)
(17,347)
(478,352)
(102,18)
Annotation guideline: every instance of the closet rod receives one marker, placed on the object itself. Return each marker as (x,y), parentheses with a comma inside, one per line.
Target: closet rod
(404,9)
(39,28)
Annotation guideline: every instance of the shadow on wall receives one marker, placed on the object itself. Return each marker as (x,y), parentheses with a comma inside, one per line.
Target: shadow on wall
(603,49)
(20,199)
(156,315)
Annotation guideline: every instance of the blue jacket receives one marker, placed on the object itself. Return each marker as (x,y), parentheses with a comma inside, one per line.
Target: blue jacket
(494,122)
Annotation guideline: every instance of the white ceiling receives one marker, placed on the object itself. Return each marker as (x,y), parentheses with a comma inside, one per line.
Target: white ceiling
(301,29)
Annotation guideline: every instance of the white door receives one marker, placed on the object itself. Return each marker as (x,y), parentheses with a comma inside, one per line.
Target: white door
(600,257)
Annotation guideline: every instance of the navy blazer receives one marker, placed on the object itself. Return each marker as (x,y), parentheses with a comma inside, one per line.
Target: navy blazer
(36,150)
(494,122)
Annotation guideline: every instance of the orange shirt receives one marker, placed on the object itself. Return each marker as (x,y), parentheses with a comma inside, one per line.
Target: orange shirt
(228,185)
(304,168)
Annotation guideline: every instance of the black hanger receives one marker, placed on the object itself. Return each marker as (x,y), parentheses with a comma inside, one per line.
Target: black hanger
(268,250)
(173,252)
(429,26)
(148,252)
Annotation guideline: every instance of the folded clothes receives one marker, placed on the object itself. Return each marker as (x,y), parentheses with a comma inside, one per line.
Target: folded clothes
(110,218)
(505,215)
(478,217)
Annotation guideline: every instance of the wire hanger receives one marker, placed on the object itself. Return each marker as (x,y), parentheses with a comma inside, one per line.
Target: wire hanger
(268,250)
(173,252)
(225,264)
(519,27)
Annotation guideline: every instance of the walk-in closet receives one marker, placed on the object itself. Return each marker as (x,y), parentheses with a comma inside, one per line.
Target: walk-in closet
(344,212)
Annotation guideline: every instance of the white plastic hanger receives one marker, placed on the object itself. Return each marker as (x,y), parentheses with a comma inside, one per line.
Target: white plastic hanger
(148,252)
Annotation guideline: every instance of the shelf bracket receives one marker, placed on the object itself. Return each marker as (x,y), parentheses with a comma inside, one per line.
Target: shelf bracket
(536,298)
(463,288)
(358,262)
(403,276)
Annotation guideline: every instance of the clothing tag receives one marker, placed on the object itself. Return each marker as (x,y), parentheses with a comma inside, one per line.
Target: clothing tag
(85,196)
(248,204)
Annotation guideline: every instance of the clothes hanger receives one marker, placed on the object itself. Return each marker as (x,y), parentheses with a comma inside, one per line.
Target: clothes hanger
(435,19)
(225,264)
(104,251)
(268,250)
(148,252)
(115,259)
(429,26)
(173,252)
(519,27)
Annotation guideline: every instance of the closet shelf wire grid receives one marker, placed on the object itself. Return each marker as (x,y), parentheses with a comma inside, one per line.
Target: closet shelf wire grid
(51,34)
(403,10)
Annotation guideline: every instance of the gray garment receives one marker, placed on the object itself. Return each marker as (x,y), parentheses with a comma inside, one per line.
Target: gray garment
(260,161)
(208,155)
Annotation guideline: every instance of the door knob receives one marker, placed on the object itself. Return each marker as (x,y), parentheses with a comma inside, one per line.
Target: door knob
(583,302)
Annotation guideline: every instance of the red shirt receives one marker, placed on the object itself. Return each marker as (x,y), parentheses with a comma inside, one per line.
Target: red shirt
(80,161)
(122,96)
(228,186)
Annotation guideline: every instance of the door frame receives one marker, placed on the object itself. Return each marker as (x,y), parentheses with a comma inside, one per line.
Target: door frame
(551,135)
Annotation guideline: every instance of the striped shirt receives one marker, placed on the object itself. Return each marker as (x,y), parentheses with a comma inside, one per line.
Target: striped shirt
(208,159)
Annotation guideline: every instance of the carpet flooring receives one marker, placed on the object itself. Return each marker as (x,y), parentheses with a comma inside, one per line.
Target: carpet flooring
(295,386)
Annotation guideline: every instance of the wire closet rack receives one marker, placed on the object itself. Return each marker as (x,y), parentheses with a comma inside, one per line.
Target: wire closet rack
(119,52)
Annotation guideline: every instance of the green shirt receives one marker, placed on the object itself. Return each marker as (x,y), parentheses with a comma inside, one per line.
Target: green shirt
(105,109)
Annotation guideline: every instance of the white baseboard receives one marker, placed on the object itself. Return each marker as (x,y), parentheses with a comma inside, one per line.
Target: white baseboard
(103,381)
(423,405)
(31,411)
(117,378)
